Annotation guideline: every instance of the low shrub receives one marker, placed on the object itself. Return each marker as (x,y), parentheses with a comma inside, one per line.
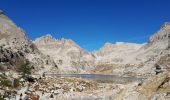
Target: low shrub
(5,82)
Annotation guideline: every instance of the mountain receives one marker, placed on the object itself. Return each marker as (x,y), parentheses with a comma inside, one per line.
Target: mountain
(16,48)
(51,55)
(119,58)
(162,34)
(134,59)
(66,53)
(117,53)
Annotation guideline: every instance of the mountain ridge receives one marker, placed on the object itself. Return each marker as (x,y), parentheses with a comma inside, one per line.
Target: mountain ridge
(69,56)
(119,53)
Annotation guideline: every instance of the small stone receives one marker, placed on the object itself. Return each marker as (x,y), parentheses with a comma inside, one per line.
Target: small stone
(79,88)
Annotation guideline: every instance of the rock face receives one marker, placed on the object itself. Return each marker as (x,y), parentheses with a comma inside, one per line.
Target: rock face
(151,53)
(117,53)
(16,47)
(162,34)
(66,53)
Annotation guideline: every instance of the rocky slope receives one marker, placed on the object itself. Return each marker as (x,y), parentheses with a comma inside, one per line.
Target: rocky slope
(119,52)
(16,48)
(134,59)
(66,53)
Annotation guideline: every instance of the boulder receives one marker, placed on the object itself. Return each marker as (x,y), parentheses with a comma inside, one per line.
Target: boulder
(151,85)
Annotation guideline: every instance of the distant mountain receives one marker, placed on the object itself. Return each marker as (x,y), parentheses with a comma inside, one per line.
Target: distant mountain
(117,53)
(66,53)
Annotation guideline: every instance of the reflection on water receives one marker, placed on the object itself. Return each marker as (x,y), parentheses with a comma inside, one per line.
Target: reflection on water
(101,78)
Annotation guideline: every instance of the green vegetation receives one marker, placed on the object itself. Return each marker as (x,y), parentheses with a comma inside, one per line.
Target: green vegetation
(25,69)
(4,81)
(2,76)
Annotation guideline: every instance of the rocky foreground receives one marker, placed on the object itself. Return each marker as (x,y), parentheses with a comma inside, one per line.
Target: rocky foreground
(60,88)
(23,64)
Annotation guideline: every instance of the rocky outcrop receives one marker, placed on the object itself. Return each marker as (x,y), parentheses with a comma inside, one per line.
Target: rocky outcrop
(152,52)
(162,34)
(66,53)
(10,59)
(152,85)
(117,53)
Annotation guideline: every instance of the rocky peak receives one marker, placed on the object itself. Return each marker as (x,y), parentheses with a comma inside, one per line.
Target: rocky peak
(166,25)
(11,34)
(44,40)
(119,45)
(68,42)
(162,34)
(107,45)
(48,37)
(48,40)
(65,52)
(117,52)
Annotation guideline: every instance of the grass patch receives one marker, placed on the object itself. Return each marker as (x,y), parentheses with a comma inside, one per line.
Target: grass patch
(6,83)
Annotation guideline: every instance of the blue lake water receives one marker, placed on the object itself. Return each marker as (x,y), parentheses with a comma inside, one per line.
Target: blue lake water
(102,78)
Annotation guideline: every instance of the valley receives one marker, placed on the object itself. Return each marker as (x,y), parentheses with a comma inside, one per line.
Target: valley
(59,69)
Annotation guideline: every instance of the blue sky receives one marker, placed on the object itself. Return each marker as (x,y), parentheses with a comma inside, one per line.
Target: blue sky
(90,23)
